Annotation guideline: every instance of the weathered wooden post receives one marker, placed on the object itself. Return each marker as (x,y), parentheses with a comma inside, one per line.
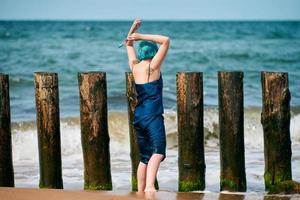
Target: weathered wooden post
(6,163)
(191,161)
(231,136)
(134,149)
(48,129)
(275,119)
(94,130)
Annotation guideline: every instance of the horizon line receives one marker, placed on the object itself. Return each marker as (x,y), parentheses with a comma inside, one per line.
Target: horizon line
(156,20)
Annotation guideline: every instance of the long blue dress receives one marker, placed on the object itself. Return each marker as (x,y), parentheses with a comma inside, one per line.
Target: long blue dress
(149,120)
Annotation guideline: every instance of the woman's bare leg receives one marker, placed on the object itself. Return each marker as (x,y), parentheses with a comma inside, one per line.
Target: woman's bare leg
(141,176)
(152,169)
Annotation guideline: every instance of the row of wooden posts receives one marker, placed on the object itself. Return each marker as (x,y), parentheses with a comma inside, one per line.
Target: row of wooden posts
(191,163)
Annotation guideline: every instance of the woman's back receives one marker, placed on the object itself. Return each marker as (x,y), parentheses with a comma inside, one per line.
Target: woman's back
(143,72)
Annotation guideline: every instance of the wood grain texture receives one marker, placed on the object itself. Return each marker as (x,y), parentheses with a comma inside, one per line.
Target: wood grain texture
(275,119)
(6,163)
(94,130)
(191,161)
(48,129)
(231,131)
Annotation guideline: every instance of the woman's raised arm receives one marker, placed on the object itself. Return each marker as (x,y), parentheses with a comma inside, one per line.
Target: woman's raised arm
(132,60)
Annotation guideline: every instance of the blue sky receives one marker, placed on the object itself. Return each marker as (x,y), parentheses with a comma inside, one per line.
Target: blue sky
(151,9)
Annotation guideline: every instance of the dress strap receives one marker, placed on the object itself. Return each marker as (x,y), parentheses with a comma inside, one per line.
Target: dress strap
(149,73)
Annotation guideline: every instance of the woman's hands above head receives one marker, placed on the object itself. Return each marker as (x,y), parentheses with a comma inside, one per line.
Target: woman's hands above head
(134,37)
(135,25)
(131,38)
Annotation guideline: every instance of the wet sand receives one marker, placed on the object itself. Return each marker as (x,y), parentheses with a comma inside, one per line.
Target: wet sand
(7,193)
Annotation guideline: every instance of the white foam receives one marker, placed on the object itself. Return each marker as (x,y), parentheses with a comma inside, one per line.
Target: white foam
(295,129)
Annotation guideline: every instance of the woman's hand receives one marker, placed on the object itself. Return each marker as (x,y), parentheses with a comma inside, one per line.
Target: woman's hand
(134,37)
(136,24)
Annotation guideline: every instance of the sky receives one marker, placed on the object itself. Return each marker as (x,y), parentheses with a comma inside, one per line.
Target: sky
(150,9)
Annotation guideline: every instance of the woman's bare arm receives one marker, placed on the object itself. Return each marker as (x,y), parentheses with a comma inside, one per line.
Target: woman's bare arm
(164,42)
(132,60)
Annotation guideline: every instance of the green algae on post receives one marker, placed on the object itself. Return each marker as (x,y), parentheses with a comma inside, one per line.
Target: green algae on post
(285,187)
(100,186)
(187,186)
(231,185)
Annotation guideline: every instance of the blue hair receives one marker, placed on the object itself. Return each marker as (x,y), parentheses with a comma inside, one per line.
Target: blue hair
(147,50)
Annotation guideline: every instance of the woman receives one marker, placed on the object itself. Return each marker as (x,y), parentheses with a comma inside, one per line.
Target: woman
(148,115)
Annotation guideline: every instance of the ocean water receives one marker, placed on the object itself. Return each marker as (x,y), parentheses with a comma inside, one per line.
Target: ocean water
(69,47)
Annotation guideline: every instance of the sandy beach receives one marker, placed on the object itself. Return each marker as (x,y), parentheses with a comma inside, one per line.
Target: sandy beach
(7,193)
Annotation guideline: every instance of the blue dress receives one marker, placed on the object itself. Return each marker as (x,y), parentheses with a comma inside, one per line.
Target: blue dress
(149,120)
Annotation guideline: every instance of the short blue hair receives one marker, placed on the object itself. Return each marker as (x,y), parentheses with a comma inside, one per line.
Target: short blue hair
(147,50)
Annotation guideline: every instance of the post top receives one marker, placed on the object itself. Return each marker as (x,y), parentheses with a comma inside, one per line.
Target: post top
(231,71)
(92,72)
(45,73)
(188,72)
(269,72)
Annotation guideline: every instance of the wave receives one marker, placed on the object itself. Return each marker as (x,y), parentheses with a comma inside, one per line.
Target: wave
(282,60)
(236,55)
(74,55)
(8,35)
(119,131)
(20,81)
(193,57)
(279,35)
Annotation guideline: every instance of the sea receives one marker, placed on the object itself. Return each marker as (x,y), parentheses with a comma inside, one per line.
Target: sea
(71,47)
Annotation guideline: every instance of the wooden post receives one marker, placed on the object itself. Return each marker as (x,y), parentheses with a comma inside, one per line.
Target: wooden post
(94,130)
(231,123)
(275,119)
(48,129)
(134,149)
(6,163)
(191,161)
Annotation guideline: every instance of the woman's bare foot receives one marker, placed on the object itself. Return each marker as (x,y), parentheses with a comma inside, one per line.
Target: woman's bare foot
(150,190)
(150,194)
